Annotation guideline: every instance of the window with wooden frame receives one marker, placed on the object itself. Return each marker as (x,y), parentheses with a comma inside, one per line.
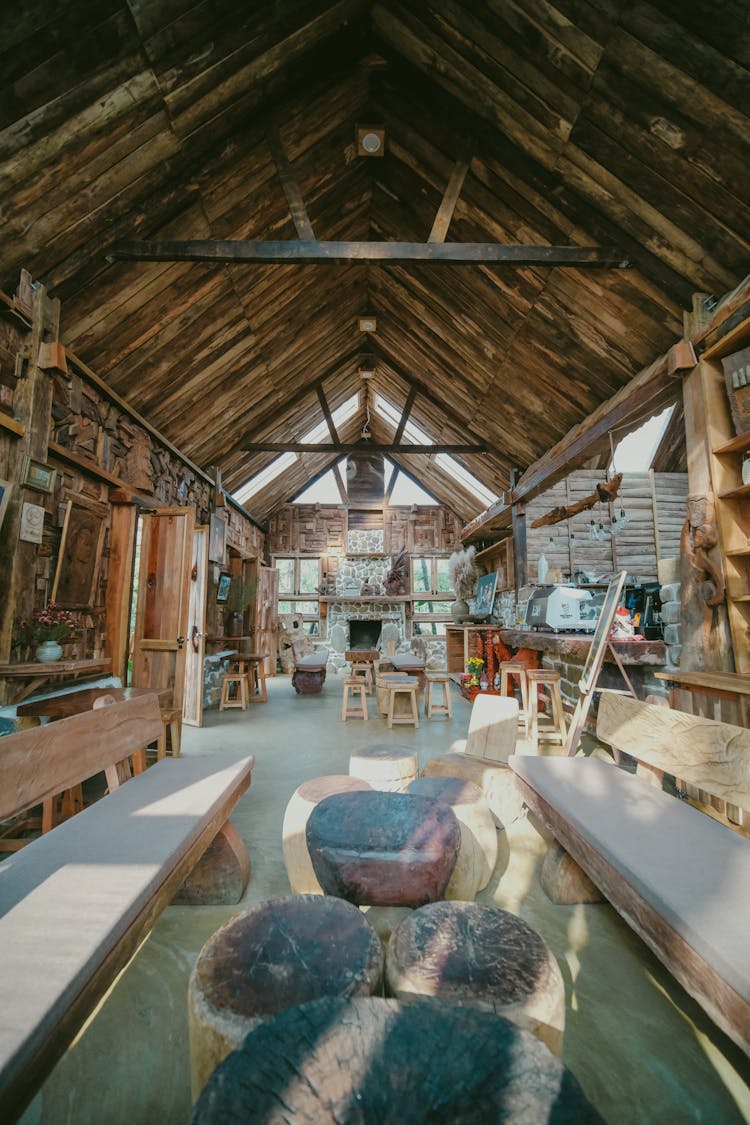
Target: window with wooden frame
(433,594)
(299,579)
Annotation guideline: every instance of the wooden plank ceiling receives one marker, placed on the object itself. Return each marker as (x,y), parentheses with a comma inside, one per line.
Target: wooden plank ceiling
(610,122)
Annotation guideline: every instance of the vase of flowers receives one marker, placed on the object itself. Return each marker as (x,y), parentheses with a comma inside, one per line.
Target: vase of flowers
(474,665)
(46,629)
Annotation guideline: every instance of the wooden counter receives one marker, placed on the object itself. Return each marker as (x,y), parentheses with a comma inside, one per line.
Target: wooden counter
(38,673)
(577,645)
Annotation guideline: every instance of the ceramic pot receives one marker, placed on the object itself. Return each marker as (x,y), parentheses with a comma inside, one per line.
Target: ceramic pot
(48,651)
(234,624)
(460,610)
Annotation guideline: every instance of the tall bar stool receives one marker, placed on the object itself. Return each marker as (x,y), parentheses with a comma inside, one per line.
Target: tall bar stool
(409,710)
(431,705)
(362,669)
(509,670)
(256,678)
(557,730)
(356,707)
(171,721)
(240,697)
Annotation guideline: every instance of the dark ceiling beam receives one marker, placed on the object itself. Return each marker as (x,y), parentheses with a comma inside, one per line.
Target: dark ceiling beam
(358,447)
(292,190)
(327,414)
(312,252)
(448,203)
(405,414)
(340,482)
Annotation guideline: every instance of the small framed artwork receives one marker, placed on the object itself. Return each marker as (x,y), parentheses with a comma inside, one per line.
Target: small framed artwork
(485,595)
(217,540)
(5,491)
(222,592)
(32,523)
(39,476)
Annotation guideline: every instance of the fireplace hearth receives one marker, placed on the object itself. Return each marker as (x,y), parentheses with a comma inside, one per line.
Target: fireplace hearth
(364,635)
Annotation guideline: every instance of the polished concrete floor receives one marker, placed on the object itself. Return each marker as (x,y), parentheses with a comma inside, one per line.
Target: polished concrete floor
(642,1049)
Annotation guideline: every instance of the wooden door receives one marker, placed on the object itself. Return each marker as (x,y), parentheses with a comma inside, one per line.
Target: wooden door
(161,617)
(267,615)
(195,646)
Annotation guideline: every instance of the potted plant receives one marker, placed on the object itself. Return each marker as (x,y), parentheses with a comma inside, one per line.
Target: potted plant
(47,628)
(474,665)
(463,572)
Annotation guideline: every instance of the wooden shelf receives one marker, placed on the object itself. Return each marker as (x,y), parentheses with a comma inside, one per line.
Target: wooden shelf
(737,445)
(731,341)
(8,423)
(736,493)
(738,552)
(380,598)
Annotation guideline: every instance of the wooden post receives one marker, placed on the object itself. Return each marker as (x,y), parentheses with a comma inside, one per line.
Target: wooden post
(518,514)
(706,641)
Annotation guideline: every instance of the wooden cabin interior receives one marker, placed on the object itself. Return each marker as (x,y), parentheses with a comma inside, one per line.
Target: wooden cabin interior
(342,342)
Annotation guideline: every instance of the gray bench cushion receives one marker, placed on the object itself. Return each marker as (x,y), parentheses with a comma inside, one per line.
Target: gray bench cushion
(68,898)
(693,870)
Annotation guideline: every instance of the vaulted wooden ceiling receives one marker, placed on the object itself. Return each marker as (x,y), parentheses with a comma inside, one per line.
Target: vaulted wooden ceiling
(590,122)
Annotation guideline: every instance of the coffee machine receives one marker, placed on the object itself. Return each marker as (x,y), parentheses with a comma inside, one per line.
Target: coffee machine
(644,605)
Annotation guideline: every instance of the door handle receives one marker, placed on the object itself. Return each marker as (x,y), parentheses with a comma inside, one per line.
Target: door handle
(195,634)
(180,642)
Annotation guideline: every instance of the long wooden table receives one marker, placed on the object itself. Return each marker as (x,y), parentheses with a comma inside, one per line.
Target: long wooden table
(38,673)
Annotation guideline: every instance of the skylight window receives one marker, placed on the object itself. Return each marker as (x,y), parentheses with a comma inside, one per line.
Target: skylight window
(635,452)
(322,491)
(317,434)
(448,464)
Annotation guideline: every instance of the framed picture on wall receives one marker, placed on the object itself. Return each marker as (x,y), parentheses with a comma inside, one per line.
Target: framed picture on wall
(485,595)
(37,475)
(217,539)
(222,591)
(80,554)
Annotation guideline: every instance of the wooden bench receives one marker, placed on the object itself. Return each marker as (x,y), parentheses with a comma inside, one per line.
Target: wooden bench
(75,903)
(678,877)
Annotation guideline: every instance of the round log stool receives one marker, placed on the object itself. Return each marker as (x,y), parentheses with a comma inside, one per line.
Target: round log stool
(377,1062)
(381,688)
(480,955)
(496,780)
(431,705)
(386,767)
(283,952)
(383,849)
(299,868)
(478,855)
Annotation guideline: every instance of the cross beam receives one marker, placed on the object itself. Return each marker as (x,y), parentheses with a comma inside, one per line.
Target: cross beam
(309,251)
(357,447)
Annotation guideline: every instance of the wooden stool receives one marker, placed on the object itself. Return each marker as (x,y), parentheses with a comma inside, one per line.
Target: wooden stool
(276,955)
(478,854)
(368,1059)
(357,708)
(239,679)
(386,767)
(556,731)
(509,669)
(480,955)
(361,669)
(171,720)
(406,688)
(431,707)
(299,868)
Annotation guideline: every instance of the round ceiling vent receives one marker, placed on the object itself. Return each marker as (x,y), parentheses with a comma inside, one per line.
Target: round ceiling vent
(371,142)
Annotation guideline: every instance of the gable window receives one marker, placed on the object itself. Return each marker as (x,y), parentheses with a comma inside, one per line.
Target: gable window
(299,579)
(431,586)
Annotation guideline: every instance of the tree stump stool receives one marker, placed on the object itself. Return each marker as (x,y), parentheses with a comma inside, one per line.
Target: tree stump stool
(383,849)
(480,955)
(496,780)
(355,708)
(402,702)
(381,688)
(431,705)
(388,768)
(478,855)
(309,680)
(299,867)
(369,1061)
(281,953)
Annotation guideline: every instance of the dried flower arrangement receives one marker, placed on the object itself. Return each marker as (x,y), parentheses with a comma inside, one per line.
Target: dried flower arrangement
(463,571)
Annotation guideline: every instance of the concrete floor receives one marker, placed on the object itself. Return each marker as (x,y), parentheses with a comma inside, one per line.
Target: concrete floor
(642,1049)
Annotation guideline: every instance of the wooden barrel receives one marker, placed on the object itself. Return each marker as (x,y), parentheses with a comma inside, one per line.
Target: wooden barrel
(475,954)
(368,1060)
(278,954)
(299,869)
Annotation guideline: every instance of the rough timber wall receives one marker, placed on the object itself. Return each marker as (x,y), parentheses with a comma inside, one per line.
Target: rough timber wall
(318,529)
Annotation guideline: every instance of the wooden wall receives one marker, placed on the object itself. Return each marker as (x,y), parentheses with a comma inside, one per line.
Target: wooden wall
(655,504)
(319,528)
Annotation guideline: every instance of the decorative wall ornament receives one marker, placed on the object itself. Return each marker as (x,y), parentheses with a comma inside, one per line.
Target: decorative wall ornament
(605,493)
